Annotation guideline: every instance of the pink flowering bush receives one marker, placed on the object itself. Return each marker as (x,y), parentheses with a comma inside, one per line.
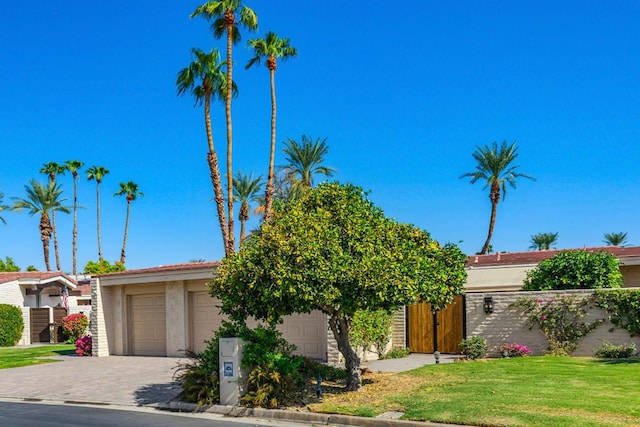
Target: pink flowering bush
(74,326)
(83,346)
(513,350)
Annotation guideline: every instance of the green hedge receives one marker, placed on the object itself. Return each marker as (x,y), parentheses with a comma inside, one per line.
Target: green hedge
(11,325)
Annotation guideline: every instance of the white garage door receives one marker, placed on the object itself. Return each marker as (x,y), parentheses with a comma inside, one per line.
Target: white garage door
(147,325)
(308,332)
(205,319)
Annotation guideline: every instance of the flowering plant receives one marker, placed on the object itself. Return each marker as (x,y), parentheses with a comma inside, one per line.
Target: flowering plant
(513,350)
(74,326)
(83,346)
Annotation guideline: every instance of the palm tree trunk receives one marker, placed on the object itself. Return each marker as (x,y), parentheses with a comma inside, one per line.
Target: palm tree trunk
(214,172)
(268,197)
(98,220)
(75,222)
(494,196)
(126,230)
(55,239)
(230,248)
(45,236)
(242,230)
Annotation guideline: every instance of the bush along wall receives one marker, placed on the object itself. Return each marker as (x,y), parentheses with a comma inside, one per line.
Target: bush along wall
(622,306)
(11,325)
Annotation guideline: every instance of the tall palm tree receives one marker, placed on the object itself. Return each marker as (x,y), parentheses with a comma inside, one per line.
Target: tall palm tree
(305,160)
(130,190)
(223,13)
(495,167)
(272,48)
(3,207)
(97,173)
(53,169)
(74,166)
(205,79)
(543,241)
(616,239)
(246,189)
(41,200)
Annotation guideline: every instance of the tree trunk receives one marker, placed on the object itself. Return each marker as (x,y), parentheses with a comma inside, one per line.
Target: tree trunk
(45,236)
(494,196)
(126,230)
(214,173)
(340,328)
(75,222)
(55,239)
(268,198)
(98,221)
(230,237)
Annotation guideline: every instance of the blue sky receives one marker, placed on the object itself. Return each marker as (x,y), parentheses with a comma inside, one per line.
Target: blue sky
(404,94)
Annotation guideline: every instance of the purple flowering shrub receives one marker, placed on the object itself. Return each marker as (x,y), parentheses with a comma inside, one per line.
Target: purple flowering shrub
(83,346)
(513,350)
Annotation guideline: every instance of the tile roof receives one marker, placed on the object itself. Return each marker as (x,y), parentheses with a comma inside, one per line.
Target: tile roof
(534,257)
(165,269)
(33,275)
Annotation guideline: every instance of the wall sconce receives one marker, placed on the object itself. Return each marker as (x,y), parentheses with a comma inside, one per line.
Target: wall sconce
(488,304)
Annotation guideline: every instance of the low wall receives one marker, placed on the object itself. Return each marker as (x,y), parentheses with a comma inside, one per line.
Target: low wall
(508,325)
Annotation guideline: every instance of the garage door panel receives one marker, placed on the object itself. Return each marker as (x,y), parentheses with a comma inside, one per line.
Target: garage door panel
(148,336)
(205,319)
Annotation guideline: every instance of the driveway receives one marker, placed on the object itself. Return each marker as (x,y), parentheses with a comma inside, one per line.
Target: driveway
(133,381)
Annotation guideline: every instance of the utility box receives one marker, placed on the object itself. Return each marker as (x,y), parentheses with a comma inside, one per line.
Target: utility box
(232,379)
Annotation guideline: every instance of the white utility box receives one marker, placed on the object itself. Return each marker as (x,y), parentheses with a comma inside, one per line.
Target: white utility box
(232,379)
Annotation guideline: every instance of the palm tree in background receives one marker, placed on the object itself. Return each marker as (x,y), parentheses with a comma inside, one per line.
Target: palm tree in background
(543,241)
(305,160)
(97,173)
(3,207)
(616,239)
(246,189)
(131,192)
(74,166)
(272,48)
(223,13)
(53,169)
(41,200)
(495,167)
(205,79)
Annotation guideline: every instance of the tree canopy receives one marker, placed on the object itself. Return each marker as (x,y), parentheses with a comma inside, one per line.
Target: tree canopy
(333,250)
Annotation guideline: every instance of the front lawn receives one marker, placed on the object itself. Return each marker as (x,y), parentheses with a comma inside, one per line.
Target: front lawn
(15,357)
(532,391)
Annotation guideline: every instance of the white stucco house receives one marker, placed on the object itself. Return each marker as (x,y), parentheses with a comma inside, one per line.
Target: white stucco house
(164,310)
(40,296)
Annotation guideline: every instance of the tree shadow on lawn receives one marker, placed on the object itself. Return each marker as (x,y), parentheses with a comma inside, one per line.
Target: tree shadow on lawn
(626,361)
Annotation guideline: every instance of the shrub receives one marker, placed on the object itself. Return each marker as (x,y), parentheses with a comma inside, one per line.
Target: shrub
(11,325)
(371,328)
(622,306)
(610,351)
(397,353)
(75,326)
(575,270)
(474,348)
(312,369)
(513,350)
(84,345)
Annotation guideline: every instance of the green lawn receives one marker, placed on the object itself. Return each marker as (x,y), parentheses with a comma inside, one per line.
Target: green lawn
(15,357)
(533,391)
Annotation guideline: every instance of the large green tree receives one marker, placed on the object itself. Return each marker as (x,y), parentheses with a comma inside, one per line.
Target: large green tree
(42,200)
(305,159)
(205,79)
(246,189)
(333,250)
(543,241)
(53,169)
(495,167)
(272,48)
(74,166)
(97,173)
(227,16)
(131,192)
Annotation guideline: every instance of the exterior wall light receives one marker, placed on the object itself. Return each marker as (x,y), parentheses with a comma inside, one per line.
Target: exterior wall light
(488,304)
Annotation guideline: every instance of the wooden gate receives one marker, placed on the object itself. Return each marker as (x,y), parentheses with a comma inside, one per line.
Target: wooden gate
(58,314)
(40,325)
(450,327)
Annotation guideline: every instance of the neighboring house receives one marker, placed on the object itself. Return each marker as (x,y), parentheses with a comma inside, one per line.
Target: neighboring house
(40,295)
(164,310)
(507,271)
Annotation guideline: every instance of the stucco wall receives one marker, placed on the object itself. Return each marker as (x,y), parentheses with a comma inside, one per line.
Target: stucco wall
(10,294)
(26,332)
(508,325)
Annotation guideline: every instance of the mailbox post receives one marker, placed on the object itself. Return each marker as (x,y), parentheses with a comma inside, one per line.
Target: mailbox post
(232,379)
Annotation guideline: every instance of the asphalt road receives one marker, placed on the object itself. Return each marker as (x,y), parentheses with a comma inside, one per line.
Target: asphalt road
(20,414)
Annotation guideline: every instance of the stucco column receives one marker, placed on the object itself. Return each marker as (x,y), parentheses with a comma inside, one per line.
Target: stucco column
(100,345)
(175,305)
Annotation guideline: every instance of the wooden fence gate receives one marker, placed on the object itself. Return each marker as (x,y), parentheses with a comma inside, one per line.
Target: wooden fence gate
(449,327)
(40,325)
(58,314)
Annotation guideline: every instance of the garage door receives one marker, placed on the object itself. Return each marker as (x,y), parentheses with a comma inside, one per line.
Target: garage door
(147,325)
(308,332)
(205,319)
